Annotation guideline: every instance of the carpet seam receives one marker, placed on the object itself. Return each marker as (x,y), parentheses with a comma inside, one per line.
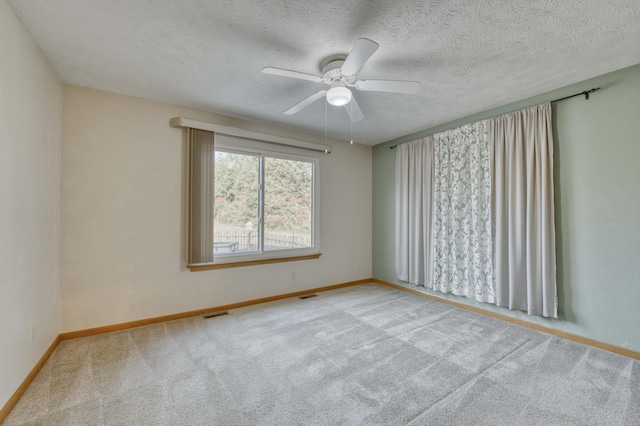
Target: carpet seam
(475,378)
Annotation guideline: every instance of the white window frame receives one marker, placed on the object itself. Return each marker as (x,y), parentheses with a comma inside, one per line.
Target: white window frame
(222,258)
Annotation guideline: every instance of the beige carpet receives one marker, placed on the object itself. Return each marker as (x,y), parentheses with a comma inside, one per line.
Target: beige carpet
(360,355)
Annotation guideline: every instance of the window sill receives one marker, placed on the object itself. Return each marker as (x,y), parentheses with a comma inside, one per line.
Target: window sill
(211,266)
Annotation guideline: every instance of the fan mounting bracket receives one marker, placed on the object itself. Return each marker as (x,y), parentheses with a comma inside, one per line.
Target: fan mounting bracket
(332,62)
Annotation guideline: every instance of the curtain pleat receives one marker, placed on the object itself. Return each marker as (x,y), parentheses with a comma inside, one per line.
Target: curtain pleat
(201,164)
(523,209)
(414,201)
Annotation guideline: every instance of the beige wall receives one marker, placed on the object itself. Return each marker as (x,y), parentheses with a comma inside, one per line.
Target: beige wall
(123,215)
(30,126)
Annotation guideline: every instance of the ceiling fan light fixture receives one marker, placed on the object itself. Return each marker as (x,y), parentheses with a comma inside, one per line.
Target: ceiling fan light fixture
(338,96)
(339,73)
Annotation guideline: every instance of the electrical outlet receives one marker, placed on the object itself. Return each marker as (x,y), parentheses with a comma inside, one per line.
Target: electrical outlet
(33,333)
(293,275)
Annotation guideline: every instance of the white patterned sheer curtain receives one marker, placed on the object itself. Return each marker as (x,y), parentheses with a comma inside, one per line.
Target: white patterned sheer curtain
(523,207)
(475,212)
(463,258)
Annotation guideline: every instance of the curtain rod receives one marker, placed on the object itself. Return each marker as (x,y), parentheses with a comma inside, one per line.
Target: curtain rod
(585,93)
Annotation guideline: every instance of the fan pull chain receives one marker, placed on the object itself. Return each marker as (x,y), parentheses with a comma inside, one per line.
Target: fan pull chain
(326,151)
(351,121)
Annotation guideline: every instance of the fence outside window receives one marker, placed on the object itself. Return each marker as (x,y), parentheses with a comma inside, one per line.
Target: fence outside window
(247,241)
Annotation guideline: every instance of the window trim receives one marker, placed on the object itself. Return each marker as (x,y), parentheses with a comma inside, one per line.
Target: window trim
(197,267)
(228,260)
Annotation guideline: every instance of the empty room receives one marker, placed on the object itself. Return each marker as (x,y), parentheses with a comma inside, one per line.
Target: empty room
(333,212)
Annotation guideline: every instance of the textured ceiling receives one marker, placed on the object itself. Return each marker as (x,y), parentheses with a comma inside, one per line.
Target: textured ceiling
(469,55)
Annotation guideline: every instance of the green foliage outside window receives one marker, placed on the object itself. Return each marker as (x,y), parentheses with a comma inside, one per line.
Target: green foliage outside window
(288,192)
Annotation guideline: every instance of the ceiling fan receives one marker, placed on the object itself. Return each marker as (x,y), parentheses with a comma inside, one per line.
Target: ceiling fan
(339,72)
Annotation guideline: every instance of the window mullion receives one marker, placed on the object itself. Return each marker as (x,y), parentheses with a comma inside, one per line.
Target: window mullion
(261,205)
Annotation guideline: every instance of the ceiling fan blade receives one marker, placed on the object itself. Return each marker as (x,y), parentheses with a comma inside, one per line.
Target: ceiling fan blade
(409,87)
(305,103)
(362,51)
(353,110)
(293,74)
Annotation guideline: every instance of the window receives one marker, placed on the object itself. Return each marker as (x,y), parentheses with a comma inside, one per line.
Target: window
(263,203)
(260,206)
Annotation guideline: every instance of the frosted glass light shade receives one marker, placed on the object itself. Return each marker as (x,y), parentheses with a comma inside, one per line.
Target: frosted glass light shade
(338,96)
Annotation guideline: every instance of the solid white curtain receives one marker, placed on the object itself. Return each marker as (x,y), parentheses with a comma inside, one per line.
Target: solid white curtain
(201,164)
(463,258)
(525,259)
(413,184)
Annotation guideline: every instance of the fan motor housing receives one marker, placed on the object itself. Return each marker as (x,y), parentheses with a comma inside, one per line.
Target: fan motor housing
(330,68)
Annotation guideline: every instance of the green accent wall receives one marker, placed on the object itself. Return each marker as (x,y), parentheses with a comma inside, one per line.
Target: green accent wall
(597,208)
